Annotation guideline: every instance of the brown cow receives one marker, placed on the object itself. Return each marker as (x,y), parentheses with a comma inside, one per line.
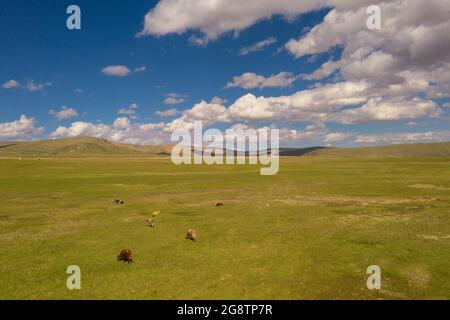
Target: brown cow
(125,256)
(156,213)
(150,223)
(191,234)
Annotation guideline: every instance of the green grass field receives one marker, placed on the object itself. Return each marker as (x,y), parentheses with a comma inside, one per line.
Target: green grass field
(309,232)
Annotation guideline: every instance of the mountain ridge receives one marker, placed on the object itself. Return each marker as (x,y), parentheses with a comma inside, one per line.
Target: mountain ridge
(91,146)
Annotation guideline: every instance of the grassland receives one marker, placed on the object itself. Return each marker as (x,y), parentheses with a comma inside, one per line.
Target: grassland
(309,232)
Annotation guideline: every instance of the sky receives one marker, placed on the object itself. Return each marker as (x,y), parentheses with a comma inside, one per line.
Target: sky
(138,70)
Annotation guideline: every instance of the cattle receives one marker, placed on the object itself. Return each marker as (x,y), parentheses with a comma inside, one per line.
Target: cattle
(191,234)
(118,201)
(150,223)
(156,213)
(218,204)
(125,256)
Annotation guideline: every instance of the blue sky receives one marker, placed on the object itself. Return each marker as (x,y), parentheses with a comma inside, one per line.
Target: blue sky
(46,69)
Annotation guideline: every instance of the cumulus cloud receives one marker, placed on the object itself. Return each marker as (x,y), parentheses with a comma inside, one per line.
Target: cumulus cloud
(179,16)
(209,113)
(64,113)
(324,71)
(218,100)
(337,136)
(122,130)
(342,102)
(116,71)
(22,129)
(410,55)
(391,74)
(11,84)
(382,110)
(413,39)
(249,107)
(396,138)
(312,132)
(259,46)
(129,111)
(319,104)
(250,80)
(382,75)
(167,113)
(174,98)
(121,123)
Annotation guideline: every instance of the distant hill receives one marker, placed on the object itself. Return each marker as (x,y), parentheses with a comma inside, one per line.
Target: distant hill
(440,149)
(74,147)
(94,147)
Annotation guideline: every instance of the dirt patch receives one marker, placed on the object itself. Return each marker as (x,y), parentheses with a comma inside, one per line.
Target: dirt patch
(375,217)
(346,200)
(429,187)
(434,237)
(417,276)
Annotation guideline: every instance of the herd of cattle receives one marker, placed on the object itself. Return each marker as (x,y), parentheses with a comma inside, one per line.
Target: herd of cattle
(126,254)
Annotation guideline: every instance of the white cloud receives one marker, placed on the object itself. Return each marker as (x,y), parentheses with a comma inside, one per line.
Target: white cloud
(409,56)
(382,110)
(64,113)
(319,104)
(324,71)
(342,102)
(214,19)
(174,98)
(11,84)
(312,132)
(250,80)
(36,86)
(337,136)
(116,71)
(120,131)
(167,113)
(129,111)
(259,46)
(22,129)
(382,75)
(249,107)
(209,113)
(121,123)
(140,69)
(121,70)
(391,138)
(218,100)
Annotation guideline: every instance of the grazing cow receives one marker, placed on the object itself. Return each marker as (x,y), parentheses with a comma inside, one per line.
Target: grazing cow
(125,256)
(156,213)
(218,204)
(191,234)
(117,201)
(150,223)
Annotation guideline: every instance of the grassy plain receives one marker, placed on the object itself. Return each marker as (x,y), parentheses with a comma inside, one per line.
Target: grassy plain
(309,232)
